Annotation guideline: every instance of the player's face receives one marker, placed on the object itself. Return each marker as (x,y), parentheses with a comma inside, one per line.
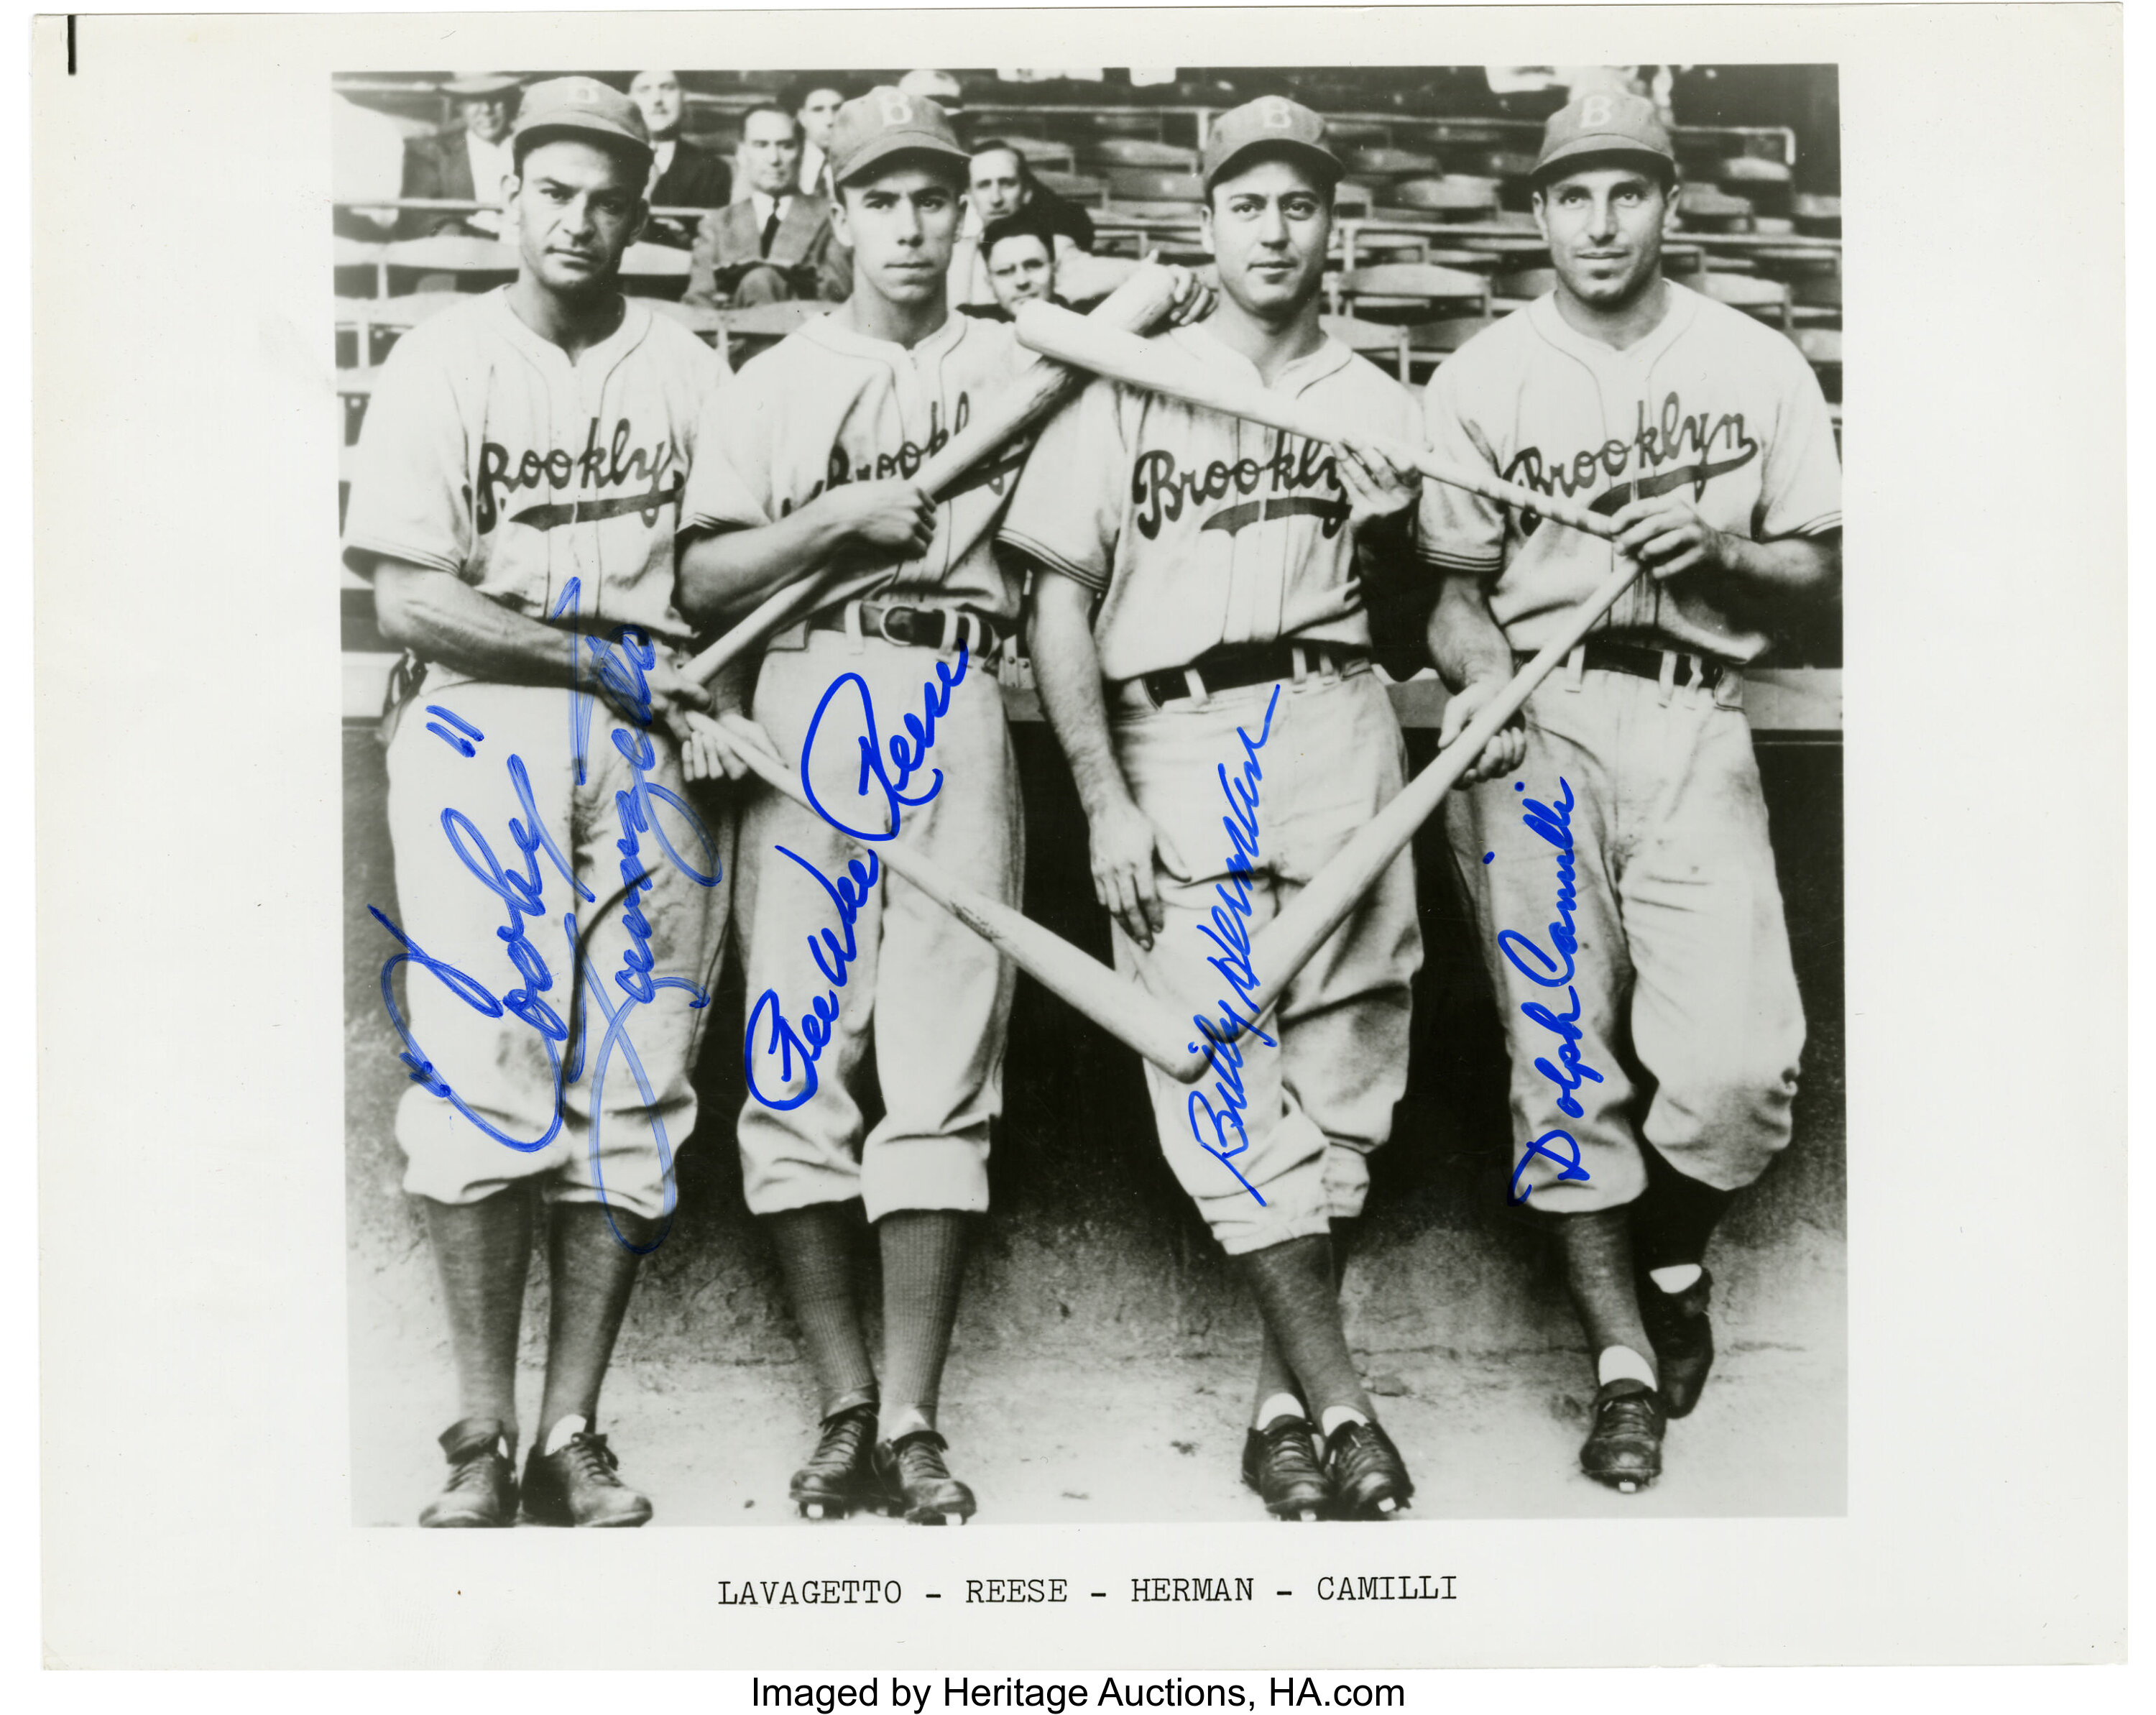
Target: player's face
(658,94)
(1605,227)
(901,226)
(1267,228)
(998,187)
(578,207)
(771,153)
(1019,269)
(486,117)
(818,114)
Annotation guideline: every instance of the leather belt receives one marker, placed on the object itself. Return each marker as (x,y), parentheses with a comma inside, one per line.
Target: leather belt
(1232,666)
(1605,655)
(917,628)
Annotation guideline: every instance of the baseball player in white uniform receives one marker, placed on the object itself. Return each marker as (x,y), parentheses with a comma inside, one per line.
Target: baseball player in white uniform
(1200,640)
(1622,876)
(561,902)
(890,708)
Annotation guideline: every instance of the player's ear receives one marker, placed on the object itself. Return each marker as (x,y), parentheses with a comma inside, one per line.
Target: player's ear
(1205,226)
(842,225)
(1538,200)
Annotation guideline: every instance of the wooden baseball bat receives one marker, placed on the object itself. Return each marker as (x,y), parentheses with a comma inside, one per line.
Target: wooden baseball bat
(1286,944)
(1280,950)
(1119,1006)
(1140,302)
(1159,367)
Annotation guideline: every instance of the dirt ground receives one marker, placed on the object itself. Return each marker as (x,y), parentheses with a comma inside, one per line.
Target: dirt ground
(1487,1434)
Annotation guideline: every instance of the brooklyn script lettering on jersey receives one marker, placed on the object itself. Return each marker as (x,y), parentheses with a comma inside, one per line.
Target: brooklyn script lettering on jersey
(1163,489)
(608,466)
(903,462)
(1713,444)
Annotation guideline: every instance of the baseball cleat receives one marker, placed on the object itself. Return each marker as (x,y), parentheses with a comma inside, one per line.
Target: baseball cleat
(840,1474)
(481,1491)
(578,1487)
(1624,1448)
(918,1486)
(1280,1463)
(1369,1478)
(1683,1339)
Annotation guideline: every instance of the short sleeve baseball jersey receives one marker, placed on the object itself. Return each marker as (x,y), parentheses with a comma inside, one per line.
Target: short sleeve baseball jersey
(1711,404)
(1199,529)
(483,444)
(826,405)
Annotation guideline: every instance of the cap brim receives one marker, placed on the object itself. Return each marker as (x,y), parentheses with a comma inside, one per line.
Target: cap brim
(1580,150)
(881,152)
(1311,154)
(529,137)
(472,88)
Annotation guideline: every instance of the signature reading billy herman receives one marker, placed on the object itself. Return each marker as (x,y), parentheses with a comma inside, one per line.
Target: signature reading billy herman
(1229,932)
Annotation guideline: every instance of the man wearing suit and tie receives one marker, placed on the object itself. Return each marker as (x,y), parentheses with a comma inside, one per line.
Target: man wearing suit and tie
(775,242)
(470,163)
(682,175)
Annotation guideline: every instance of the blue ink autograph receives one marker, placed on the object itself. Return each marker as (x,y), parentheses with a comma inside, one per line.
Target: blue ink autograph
(1553,824)
(520,887)
(909,749)
(848,894)
(1229,932)
(889,767)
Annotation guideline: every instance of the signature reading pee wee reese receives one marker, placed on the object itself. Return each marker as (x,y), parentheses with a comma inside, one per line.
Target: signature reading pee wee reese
(787,1052)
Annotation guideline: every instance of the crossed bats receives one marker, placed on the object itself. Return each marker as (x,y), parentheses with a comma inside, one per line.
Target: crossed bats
(1106,343)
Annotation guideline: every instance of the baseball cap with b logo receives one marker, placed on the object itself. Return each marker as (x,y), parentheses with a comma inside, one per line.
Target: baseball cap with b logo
(1272,123)
(1605,122)
(579,107)
(887,121)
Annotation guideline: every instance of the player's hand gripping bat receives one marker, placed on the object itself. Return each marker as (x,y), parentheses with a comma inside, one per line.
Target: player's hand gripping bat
(1141,302)
(1286,944)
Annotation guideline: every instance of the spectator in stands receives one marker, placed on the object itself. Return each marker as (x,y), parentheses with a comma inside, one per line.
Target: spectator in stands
(816,105)
(775,243)
(682,175)
(1019,254)
(999,186)
(942,88)
(470,164)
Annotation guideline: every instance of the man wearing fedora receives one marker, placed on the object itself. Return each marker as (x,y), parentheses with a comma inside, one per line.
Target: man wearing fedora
(469,162)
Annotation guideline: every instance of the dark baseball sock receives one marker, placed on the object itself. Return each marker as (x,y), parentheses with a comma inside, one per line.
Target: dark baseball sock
(819,1254)
(1276,1377)
(924,1263)
(1294,1284)
(1675,1216)
(1597,1268)
(483,1251)
(592,1275)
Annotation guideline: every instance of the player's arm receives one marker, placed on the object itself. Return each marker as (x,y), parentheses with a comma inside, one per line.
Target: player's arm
(1669,535)
(1469,649)
(444,619)
(1066,667)
(724,573)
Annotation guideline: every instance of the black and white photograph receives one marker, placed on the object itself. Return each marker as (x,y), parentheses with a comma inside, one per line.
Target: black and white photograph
(1119,484)
(1158,840)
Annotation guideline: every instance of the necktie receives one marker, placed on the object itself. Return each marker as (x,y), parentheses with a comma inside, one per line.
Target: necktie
(770,230)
